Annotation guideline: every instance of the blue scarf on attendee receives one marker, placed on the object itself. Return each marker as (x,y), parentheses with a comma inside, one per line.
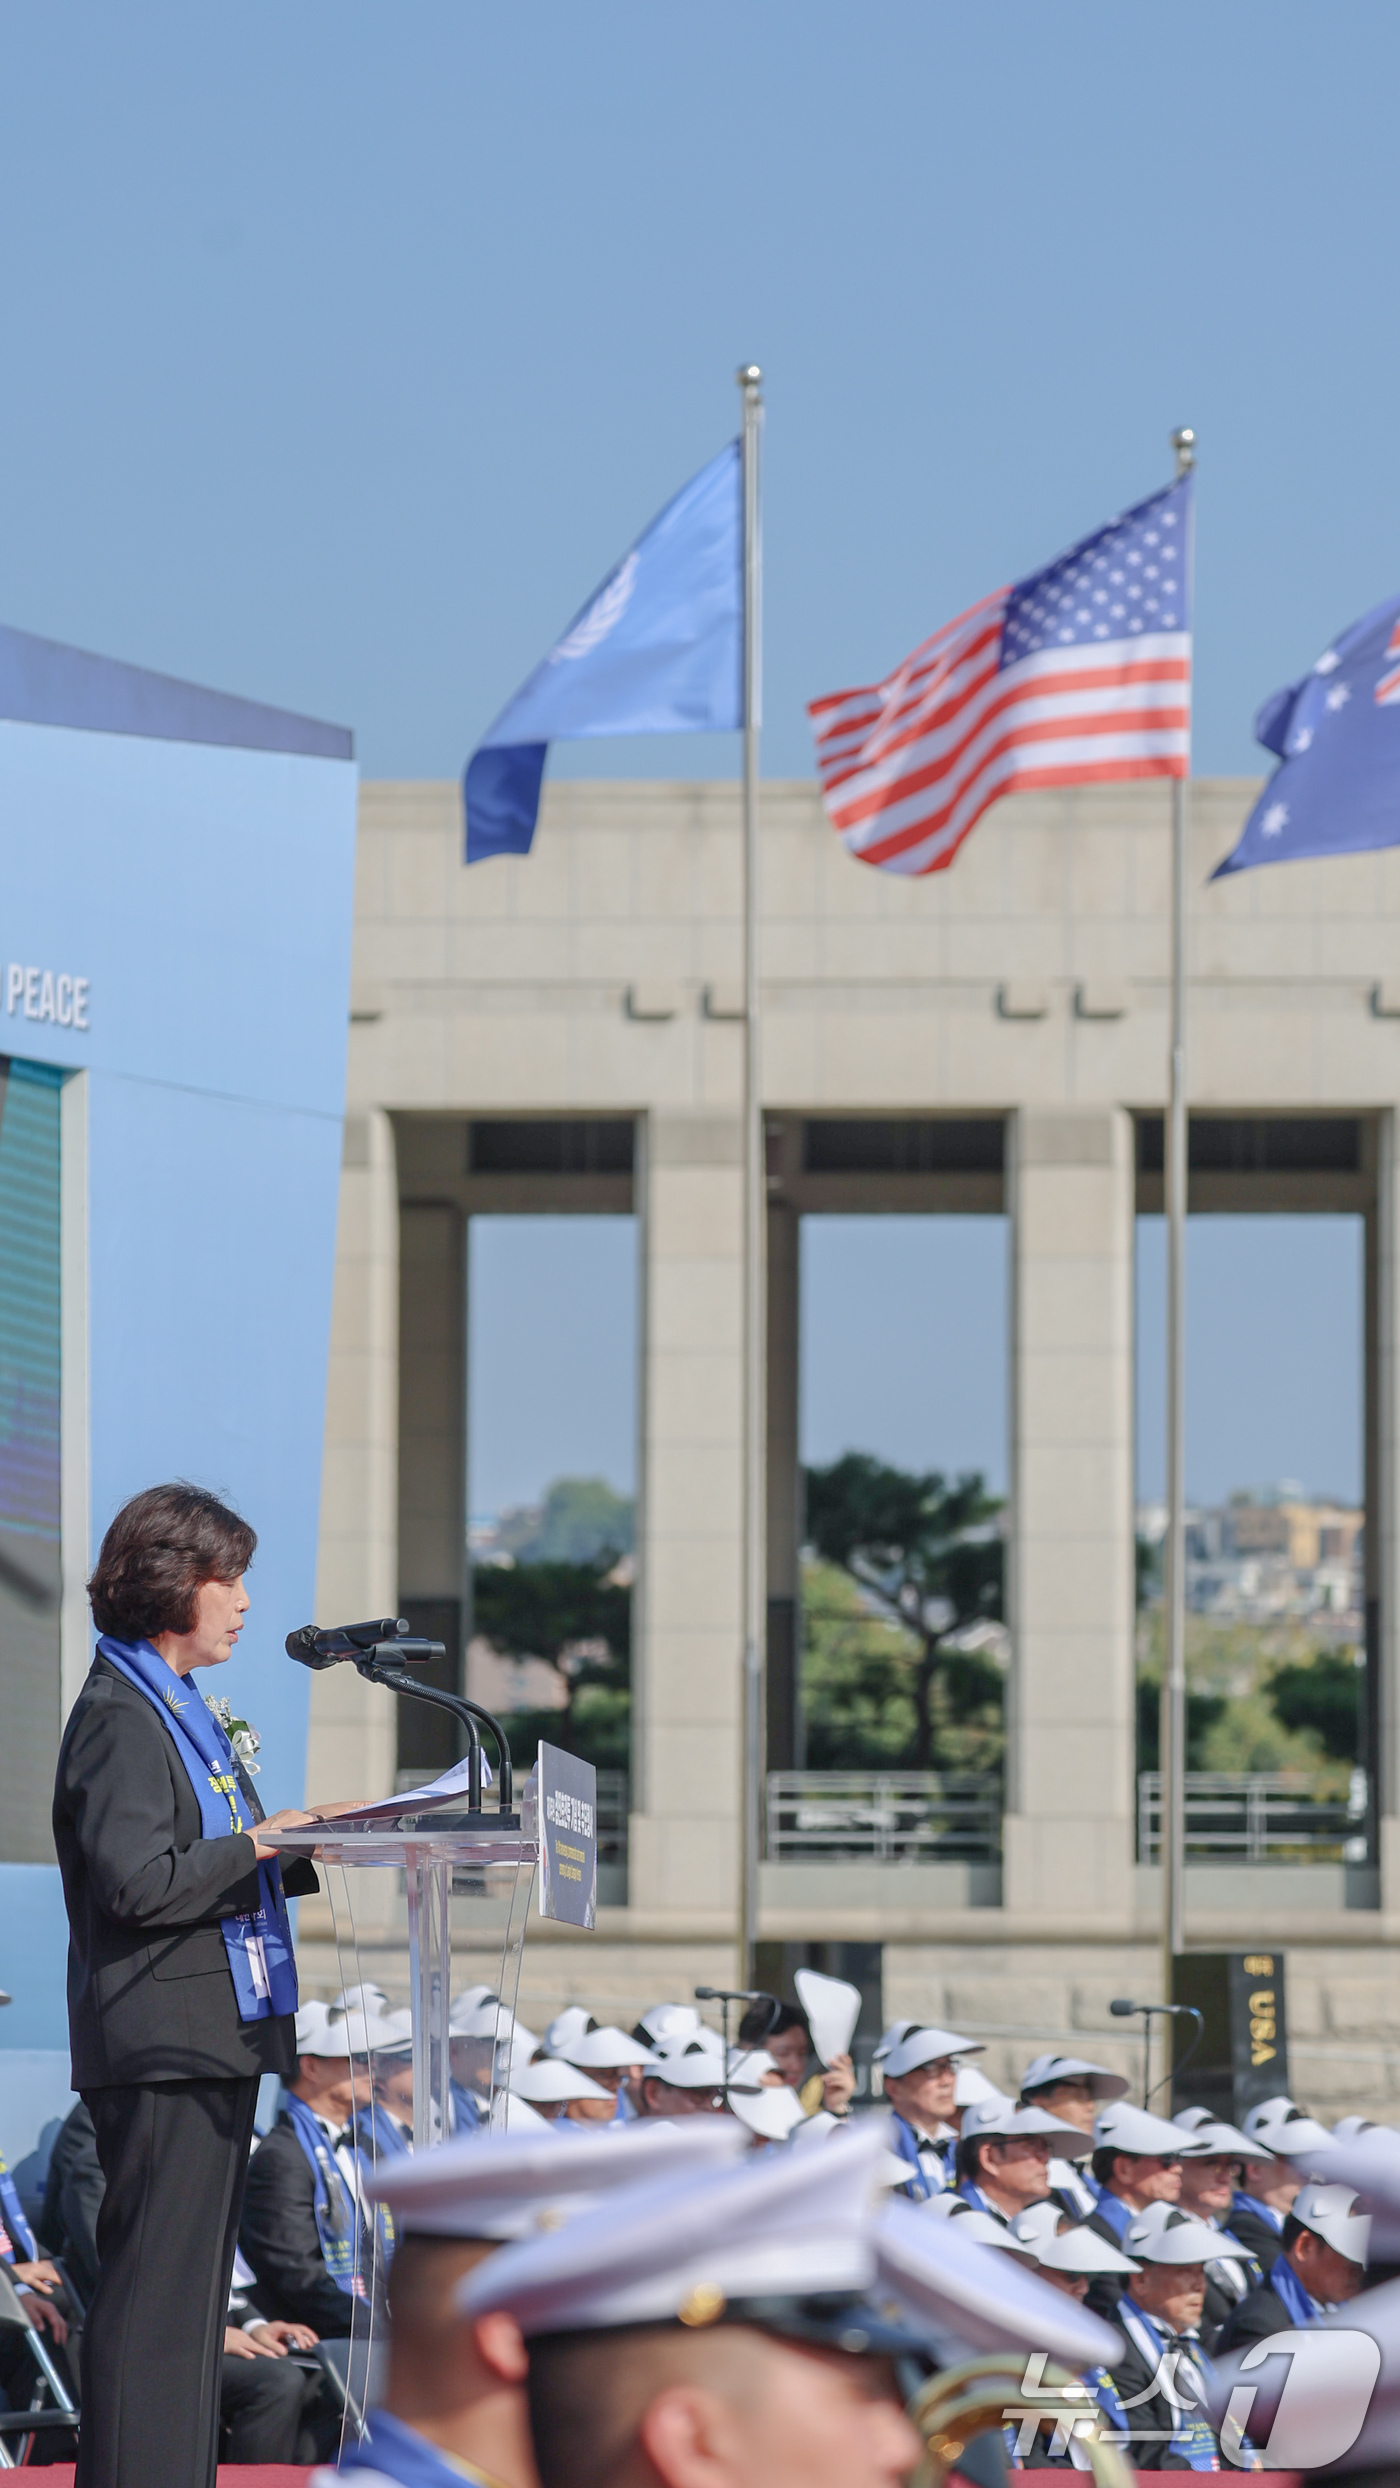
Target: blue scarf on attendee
(1265,2211)
(337,2217)
(258,1942)
(389,2449)
(972,2193)
(1113,2209)
(23,2246)
(375,2136)
(1193,2439)
(906,2143)
(1300,2303)
(468,2115)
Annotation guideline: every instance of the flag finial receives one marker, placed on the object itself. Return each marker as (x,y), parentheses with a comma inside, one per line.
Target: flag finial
(1183,441)
(749,376)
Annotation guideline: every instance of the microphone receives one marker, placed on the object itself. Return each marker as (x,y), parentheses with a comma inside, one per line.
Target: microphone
(328,1646)
(732,1995)
(1124,2004)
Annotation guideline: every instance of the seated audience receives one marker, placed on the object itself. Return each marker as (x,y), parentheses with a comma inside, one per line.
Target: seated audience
(303,2233)
(1321,2263)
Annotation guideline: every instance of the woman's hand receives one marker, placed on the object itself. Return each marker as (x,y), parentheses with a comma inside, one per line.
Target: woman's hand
(838,2085)
(42,2275)
(291,1818)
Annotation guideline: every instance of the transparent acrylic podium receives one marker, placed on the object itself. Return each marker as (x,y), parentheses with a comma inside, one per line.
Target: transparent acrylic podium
(462,1882)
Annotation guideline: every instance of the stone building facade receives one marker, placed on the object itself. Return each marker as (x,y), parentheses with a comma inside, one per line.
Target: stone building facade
(992,1038)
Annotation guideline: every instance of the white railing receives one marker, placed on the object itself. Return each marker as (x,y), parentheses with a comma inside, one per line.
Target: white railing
(884,1814)
(1247,1816)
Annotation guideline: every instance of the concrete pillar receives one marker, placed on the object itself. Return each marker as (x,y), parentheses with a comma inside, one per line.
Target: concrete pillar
(351,1750)
(1069,1826)
(686,1665)
(1383,1559)
(784,1489)
(432,1588)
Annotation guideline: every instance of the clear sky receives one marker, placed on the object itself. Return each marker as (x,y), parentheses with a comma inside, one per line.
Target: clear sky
(347,346)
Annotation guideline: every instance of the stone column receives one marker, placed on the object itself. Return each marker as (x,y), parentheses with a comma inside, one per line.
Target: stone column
(1383,1470)
(686,1664)
(351,1750)
(1070,1806)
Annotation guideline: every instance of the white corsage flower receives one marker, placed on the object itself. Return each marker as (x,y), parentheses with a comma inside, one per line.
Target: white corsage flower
(242,1736)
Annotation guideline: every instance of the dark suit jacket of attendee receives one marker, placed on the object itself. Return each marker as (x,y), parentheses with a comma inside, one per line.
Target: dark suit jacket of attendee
(279,2238)
(1106,2288)
(1260,2313)
(1132,2375)
(73,2194)
(1261,2238)
(150,1992)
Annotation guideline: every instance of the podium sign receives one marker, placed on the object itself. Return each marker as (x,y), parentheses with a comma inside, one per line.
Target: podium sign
(1243,2055)
(568,1803)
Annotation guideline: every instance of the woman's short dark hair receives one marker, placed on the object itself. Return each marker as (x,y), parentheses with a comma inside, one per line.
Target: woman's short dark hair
(761,2023)
(161,1548)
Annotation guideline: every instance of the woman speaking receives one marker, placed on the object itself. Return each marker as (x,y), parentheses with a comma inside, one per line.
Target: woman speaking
(181,1981)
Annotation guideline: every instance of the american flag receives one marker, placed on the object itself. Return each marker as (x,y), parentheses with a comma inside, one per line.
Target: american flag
(1080,673)
(1388,688)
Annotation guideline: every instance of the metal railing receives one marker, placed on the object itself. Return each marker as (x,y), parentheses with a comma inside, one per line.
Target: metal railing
(1246,1816)
(905,1815)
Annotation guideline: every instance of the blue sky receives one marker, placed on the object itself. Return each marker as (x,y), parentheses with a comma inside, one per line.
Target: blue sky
(347,347)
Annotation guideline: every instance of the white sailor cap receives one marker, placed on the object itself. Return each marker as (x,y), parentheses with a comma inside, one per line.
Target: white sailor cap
(550,2079)
(1347,2129)
(1213,2139)
(987,2230)
(488,2018)
(1081,2249)
(1039,2220)
(1332,2213)
(1043,2072)
(368,1998)
(924,2045)
(1120,2127)
(565,2028)
(970,2087)
(467,1999)
(396,2039)
(1162,2234)
(784,2241)
(971,2300)
(771,2114)
(890,2037)
(1269,2111)
(607,2046)
(747,2067)
(510,2185)
(689,2064)
(1295,2136)
(668,2021)
(999,2118)
(328,2030)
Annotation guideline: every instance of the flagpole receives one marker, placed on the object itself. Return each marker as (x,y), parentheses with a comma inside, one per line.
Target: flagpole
(750,380)
(1172,1835)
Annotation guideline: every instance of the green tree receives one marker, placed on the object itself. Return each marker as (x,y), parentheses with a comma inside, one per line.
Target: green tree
(580,1520)
(579,1620)
(926,1554)
(1324,1697)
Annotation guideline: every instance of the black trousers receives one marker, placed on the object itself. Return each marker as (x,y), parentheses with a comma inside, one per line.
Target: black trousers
(174,2155)
(261,2402)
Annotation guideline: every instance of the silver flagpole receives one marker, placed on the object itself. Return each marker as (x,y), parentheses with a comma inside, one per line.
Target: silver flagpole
(750,380)
(1172,1836)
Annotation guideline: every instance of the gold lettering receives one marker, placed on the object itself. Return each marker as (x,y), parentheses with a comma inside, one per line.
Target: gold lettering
(1261,2055)
(1262,2001)
(1258,1965)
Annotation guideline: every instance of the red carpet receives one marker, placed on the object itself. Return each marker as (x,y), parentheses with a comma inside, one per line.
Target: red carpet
(266,2475)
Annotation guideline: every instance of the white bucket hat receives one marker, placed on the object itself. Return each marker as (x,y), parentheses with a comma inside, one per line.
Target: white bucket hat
(1177,2238)
(1119,2127)
(1044,2071)
(1331,2214)
(923,2045)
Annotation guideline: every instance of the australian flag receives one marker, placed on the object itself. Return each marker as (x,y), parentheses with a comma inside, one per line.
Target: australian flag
(1337,736)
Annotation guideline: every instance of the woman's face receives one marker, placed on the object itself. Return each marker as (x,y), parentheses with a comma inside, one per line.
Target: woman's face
(219,1609)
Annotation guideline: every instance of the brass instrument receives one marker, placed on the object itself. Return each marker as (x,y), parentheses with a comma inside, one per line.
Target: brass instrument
(963,2401)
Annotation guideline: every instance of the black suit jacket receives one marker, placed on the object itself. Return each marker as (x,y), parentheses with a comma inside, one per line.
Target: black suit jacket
(150,1992)
(280,2240)
(1259,2236)
(1261,2313)
(1153,2420)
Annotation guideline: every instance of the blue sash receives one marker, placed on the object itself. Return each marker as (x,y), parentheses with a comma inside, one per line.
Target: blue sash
(972,2193)
(337,2218)
(375,2136)
(906,2143)
(23,2247)
(468,2115)
(258,1942)
(1299,2302)
(391,2450)
(1113,2209)
(1193,2440)
(1262,2211)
